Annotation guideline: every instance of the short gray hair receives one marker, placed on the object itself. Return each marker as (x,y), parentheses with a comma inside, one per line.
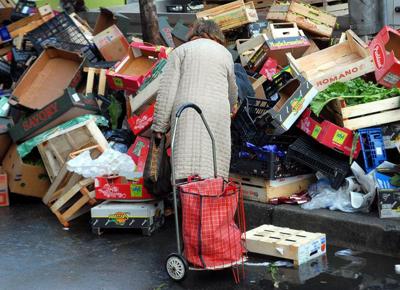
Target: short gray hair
(207,29)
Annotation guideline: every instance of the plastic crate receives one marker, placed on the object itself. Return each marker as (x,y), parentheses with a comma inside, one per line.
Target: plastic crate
(373,147)
(271,165)
(61,31)
(246,117)
(311,154)
(89,52)
(23,9)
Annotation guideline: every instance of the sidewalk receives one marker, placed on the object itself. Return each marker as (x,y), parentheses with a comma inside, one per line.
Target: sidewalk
(365,232)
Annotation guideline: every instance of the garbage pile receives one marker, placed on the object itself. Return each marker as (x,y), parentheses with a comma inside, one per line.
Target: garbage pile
(77,102)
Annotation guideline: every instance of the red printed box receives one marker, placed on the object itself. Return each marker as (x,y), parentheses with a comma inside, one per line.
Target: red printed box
(328,134)
(130,73)
(384,49)
(118,188)
(140,124)
(4,201)
(139,151)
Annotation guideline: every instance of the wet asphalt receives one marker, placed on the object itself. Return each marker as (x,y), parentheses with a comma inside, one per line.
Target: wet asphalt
(37,253)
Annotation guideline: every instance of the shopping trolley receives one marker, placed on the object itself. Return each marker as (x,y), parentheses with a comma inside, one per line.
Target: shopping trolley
(213,222)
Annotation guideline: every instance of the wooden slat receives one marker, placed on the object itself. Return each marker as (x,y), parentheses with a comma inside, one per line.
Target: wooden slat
(373,120)
(90,81)
(371,107)
(313,13)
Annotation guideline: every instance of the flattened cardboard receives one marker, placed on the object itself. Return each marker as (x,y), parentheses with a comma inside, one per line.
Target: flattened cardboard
(112,44)
(65,108)
(166,31)
(47,78)
(25,179)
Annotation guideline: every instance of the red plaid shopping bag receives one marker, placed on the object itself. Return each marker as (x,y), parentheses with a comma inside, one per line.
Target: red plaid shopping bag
(210,235)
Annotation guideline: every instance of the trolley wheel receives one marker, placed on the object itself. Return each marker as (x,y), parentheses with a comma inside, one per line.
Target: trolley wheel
(97,231)
(176,267)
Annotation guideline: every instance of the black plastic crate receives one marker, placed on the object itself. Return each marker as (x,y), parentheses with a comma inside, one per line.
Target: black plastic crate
(60,32)
(246,117)
(88,52)
(270,164)
(23,9)
(307,152)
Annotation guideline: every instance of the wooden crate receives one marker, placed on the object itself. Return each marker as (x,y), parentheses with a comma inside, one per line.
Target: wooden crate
(370,114)
(334,7)
(298,246)
(342,62)
(262,4)
(70,195)
(231,15)
(306,16)
(261,190)
(7,4)
(56,149)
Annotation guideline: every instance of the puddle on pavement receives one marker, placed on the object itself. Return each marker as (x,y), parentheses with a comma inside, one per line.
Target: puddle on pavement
(341,269)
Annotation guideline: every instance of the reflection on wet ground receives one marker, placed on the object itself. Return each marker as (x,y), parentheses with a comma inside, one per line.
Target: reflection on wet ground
(38,254)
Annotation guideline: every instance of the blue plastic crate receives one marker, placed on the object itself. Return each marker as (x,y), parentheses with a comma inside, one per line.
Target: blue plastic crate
(373,147)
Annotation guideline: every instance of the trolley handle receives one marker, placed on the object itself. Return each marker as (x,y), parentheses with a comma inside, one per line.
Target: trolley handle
(186,106)
(199,111)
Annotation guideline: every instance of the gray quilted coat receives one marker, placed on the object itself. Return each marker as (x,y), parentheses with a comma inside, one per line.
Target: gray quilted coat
(201,72)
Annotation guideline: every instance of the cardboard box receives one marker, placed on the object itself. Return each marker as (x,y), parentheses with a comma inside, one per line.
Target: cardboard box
(329,134)
(339,63)
(130,73)
(23,178)
(261,190)
(294,98)
(140,124)
(388,197)
(5,140)
(105,19)
(4,200)
(46,79)
(118,188)
(112,44)
(385,48)
(139,151)
(68,106)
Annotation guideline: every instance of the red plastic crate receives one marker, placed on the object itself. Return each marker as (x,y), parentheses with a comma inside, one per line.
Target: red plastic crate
(328,134)
(117,188)
(4,201)
(130,73)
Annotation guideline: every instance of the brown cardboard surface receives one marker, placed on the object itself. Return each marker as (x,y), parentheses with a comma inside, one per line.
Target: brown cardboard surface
(5,142)
(112,44)
(105,19)
(288,186)
(47,78)
(5,14)
(137,66)
(24,178)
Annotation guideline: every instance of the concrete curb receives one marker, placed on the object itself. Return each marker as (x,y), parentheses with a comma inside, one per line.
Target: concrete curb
(365,232)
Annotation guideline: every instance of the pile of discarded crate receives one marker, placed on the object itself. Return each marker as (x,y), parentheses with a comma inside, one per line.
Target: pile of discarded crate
(321,97)
(66,91)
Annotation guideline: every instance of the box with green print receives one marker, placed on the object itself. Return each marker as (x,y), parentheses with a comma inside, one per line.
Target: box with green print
(130,73)
(294,98)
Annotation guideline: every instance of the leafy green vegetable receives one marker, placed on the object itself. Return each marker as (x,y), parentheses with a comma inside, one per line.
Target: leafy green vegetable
(115,111)
(355,92)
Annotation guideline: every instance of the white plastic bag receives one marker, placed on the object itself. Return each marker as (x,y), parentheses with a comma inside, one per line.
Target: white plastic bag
(108,163)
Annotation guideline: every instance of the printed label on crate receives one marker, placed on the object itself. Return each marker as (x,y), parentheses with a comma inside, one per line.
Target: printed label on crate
(119,218)
(136,190)
(344,75)
(340,137)
(317,130)
(391,78)
(118,82)
(297,104)
(379,56)
(111,191)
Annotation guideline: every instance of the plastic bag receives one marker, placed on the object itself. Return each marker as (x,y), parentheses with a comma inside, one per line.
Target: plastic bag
(108,163)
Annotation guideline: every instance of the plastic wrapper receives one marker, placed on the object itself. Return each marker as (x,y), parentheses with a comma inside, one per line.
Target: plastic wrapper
(110,162)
